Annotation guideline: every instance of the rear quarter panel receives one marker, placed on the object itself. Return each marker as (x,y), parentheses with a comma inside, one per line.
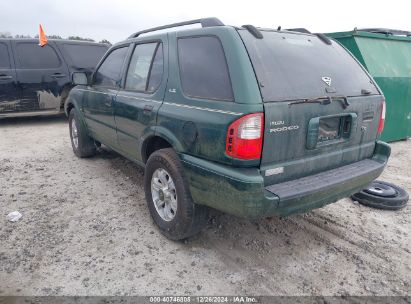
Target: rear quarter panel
(200,125)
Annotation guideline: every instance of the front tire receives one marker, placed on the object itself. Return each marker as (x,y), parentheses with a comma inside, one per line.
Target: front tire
(82,144)
(168,198)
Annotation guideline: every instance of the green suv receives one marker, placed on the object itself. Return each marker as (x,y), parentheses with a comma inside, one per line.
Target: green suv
(253,122)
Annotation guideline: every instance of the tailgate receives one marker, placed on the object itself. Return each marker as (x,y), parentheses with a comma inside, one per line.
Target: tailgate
(304,139)
(321,108)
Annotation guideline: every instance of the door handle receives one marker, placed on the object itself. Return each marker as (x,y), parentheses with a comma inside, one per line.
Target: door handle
(5,77)
(107,104)
(58,75)
(147,109)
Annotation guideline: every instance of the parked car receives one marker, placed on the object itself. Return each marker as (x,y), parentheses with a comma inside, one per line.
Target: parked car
(36,80)
(252,122)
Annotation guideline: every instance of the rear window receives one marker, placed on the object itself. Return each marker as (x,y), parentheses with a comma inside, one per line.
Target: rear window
(84,56)
(203,68)
(293,66)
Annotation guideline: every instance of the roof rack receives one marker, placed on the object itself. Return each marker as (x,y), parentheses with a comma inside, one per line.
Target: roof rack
(386,31)
(205,22)
(253,31)
(323,38)
(299,29)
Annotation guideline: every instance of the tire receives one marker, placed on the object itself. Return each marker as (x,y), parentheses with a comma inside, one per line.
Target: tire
(183,218)
(382,195)
(84,145)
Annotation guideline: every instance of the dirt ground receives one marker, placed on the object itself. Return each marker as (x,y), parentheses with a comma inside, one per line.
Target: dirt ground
(86,230)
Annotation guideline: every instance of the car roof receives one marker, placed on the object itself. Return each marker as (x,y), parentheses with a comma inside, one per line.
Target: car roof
(56,41)
(205,23)
(156,32)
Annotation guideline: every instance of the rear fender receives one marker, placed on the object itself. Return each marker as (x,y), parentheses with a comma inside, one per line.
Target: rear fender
(164,134)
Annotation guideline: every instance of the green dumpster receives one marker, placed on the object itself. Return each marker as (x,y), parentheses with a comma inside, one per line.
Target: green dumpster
(386,54)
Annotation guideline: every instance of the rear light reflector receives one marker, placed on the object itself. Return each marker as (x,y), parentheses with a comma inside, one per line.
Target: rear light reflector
(245,137)
(382,119)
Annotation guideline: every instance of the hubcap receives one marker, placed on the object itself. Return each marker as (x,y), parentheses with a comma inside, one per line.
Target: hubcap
(74,133)
(381,189)
(163,192)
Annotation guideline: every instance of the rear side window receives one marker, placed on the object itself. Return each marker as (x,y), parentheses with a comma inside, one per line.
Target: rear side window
(146,68)
(109,72)
(33,56)
(4,57)
(84,56)
(292,66)
(157,68)
(203,68)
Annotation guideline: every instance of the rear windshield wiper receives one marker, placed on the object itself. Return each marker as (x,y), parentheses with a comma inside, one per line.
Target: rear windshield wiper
(324,100)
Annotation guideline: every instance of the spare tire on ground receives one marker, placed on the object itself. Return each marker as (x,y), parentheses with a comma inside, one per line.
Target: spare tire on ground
(382,195)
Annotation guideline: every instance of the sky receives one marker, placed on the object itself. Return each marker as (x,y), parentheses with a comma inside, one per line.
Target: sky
(115,20)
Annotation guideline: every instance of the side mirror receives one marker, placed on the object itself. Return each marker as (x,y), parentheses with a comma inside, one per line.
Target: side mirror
(79,78)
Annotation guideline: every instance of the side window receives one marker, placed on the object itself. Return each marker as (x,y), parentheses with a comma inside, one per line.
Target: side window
(203,68)
(109,72)
(157,69)
(33,56)
(146,68)
(4,57)
(84,55)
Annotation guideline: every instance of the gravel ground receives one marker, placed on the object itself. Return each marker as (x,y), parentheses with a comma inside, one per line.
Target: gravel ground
(86,231)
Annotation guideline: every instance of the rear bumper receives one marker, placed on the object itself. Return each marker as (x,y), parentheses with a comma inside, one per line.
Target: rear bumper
(241,191)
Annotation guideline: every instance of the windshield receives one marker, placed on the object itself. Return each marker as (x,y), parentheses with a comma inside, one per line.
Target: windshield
(292,66)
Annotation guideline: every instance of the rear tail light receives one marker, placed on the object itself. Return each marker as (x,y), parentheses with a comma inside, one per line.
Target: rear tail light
(382,119)
(245,137)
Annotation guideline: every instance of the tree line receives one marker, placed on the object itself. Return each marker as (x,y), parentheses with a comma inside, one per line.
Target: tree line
(9,35)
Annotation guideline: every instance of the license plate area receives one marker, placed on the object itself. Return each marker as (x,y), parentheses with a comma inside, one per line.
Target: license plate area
(328,130)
